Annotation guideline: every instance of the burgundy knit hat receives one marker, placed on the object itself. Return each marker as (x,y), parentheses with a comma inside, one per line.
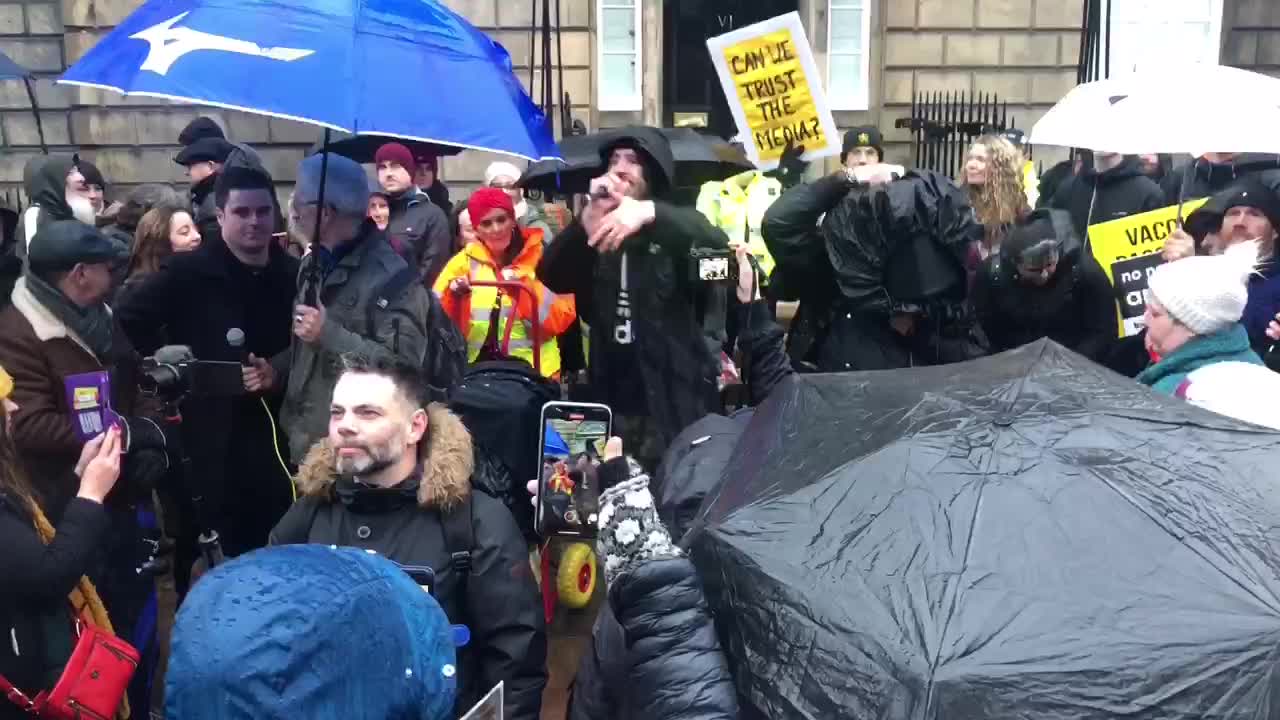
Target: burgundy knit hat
(399,154)
(486,199)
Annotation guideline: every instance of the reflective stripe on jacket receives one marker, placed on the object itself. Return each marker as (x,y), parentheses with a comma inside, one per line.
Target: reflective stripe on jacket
(737,206)
(473,313)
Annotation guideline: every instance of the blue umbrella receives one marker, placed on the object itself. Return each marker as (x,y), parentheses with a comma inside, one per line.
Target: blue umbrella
(408,68)
(553,443)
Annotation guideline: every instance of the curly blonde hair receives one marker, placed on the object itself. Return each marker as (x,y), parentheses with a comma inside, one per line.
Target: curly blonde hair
(1001,201)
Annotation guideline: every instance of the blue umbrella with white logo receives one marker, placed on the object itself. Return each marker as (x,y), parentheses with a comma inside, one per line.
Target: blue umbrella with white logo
(407,68)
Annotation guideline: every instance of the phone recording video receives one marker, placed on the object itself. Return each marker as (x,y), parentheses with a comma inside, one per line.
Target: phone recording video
(573,440)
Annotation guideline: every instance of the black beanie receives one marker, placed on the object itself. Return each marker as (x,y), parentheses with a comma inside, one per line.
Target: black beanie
(201,127)
(863,136)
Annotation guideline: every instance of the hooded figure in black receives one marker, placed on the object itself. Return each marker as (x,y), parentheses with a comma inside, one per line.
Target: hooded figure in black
(1042,284)
(1115,187)
(51,182)
(47,180)
(882,283)
(655,331)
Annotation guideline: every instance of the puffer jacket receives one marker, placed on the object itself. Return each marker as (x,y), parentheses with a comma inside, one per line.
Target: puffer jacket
(660,658)
(498,601)
(684,479)
(347,292)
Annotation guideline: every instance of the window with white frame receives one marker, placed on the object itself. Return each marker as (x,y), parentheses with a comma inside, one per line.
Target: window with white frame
(848,48)
(618,61)
(1156,33)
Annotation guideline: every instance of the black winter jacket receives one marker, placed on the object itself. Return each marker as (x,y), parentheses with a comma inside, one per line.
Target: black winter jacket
(876,251)
(660,658)
(1200,178)
(35,620)
(194,299)
(45,180)
(1093,197)
(500,603)
(604,686)
(677,323)
(1076,308)
(204,209)
(419,231)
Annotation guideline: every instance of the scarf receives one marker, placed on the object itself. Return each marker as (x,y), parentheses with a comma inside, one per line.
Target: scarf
(92,325)
(85,603)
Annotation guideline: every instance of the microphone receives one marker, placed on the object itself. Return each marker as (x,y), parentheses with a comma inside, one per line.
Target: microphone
(235,338)
(600,193)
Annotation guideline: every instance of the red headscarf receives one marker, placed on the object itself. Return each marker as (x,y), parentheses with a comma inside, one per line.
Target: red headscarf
(486,199)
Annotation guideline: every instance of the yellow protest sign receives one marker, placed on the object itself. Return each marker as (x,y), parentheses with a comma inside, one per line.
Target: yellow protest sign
(774,90)
(1128,250)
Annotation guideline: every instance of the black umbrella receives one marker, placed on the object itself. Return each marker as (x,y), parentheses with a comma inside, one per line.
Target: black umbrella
(699,159)
(363,148)
(10,70)
(1022,536)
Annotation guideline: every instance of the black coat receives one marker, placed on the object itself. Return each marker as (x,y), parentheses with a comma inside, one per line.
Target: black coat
(34,610)
(878,250)
(1076,308)
(677,323)
(419,231)
(656,654)
(500,604)
(1093,197)
(204,209)
(1200,178)
(194,299)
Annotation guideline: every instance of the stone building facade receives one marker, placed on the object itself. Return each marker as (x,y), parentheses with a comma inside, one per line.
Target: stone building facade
(1024,51)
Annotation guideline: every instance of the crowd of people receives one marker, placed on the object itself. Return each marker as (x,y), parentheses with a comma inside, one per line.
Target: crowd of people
(353,309)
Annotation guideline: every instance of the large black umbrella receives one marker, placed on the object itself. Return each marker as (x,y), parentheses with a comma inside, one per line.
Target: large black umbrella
(699,159)
(1022,536)
(10,70)
(363,148)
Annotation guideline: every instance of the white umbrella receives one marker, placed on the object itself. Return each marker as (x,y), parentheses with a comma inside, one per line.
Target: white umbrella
(1168,110)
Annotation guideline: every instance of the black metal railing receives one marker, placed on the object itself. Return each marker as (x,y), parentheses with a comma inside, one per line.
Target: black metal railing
(944,124)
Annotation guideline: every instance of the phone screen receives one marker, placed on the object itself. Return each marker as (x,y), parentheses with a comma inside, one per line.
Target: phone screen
(573,440)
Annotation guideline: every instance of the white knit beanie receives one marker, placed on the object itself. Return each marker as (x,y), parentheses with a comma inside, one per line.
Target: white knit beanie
(1207,293)
(501,169)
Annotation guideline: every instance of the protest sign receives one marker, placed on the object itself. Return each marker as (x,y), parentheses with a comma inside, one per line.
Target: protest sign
(1128,250)
(774,90)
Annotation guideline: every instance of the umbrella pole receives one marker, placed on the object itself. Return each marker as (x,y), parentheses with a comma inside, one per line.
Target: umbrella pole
(324,172)
(35,110)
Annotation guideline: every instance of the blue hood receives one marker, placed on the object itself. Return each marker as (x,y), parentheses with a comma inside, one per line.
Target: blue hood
(310,631)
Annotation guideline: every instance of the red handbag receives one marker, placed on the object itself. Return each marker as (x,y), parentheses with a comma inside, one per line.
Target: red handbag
(93,684)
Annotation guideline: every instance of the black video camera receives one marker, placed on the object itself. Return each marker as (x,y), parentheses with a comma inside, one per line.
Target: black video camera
(173,372)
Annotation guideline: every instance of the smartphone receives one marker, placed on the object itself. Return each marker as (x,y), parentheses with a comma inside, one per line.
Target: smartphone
(573,438)
(423,575)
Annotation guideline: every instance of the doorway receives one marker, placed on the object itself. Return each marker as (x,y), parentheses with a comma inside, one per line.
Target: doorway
(691,92)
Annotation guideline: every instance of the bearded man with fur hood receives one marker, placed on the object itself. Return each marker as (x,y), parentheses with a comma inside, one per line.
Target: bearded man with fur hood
(394,477)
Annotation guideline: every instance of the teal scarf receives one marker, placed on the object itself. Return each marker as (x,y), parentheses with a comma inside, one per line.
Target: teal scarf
(1230,345)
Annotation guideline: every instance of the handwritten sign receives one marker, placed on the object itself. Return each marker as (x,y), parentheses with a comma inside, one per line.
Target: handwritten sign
(774,90)
(1128,250)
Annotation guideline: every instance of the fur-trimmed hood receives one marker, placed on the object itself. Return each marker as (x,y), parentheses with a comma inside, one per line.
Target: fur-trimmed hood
(447,460)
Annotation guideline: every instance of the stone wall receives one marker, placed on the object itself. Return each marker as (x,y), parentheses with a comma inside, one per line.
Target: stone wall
(133,140)
(1024,51)
(1251,35)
